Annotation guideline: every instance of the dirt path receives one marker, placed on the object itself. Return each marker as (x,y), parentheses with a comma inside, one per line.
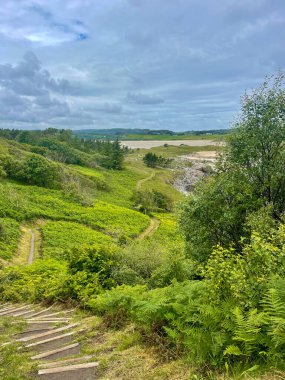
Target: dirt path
(29,245)
(32,247)
(153,226)
(142,181)
(154,223)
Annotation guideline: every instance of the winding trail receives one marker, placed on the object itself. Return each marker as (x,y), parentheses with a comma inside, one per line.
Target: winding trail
(154,222)
(142,181)
(153,226)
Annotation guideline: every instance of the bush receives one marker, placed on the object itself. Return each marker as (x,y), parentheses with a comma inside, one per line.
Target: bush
(152,201)
(9,237)
(152,160)
(42,281)
(90,270)
(244,276)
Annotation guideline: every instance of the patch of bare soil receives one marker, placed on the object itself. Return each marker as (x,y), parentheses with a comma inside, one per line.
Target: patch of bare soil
(153,143)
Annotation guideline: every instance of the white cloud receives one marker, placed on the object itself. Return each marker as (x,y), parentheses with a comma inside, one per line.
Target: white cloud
(141,63)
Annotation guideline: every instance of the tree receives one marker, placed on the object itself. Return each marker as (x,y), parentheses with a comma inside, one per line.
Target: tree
(37,170)
(256,145)
(152,160)
(250,176)
(216,213)
(112,154)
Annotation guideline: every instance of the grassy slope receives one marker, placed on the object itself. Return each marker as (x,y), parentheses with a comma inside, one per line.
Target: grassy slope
(59,236)
(9,237)
(111,215)
(122,353)
(31,202)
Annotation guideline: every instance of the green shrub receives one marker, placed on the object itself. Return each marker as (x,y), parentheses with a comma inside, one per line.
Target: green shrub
(152,160)
(116,304)
(59,237)
(152,201)
(244,276)
(9,237)
(44,280)
(90,270)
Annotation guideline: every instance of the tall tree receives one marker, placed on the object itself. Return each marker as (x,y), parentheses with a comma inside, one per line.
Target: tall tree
(250,175)
(256,144)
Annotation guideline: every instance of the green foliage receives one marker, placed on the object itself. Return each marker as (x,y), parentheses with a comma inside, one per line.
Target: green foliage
(112,155)
(151,201)
(27,202)
(256,144)
(216,213)
(9,237)
(43,280)
(85,272)
(58,237)
(31,169)
(244,277)
(250,175)
(62,151)
(117,303)
(38,171)
(90,270)
(60,145)
(152,160)
(115,186)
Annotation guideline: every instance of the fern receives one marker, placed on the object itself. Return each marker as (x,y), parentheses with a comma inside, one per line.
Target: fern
(248,330)
(274,306)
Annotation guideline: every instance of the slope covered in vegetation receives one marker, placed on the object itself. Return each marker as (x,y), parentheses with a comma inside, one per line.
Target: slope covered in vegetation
(207,287)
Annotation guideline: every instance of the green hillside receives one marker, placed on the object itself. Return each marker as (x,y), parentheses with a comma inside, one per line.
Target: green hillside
(179,287)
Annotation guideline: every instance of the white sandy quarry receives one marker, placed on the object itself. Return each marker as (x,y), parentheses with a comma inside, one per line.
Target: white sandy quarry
(153,143)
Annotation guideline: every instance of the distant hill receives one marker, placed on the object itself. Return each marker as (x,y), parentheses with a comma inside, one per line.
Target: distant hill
(141,134)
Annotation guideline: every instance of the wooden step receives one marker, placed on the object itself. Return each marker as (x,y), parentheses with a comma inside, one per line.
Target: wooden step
(47,334)
(43,312)
(54,320)
(50,316)
(31,333)
(4,306)
(61,363)
(39,325)
(72,349)
(84,371)
(51,343)
(14,310)
(8,308)
(24,314)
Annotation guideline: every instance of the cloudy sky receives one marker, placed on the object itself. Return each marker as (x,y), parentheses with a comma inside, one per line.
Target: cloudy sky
(158,64)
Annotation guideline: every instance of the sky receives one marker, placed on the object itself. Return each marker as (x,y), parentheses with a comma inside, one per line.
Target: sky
(155,64)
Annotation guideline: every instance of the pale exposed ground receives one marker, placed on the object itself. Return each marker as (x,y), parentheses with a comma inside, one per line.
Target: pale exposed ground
(29,244)
(153,226)
(210,156)
(192,174)
(153,143)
